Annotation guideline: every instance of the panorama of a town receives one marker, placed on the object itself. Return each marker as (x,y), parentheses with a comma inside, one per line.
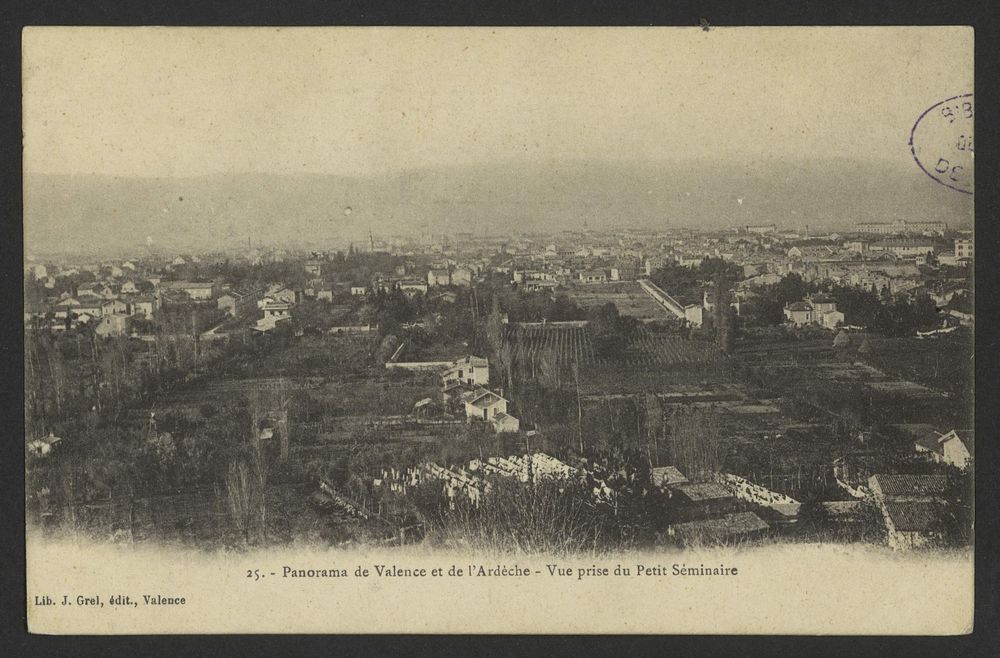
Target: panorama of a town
(563,392)
(518,291)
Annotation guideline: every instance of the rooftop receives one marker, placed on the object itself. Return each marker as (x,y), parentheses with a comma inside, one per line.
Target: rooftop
(841,508)
(482,398)
(919,516)
(722,527)
(667,475)
(188,284)
(475,361)
(911,485)
(703,491)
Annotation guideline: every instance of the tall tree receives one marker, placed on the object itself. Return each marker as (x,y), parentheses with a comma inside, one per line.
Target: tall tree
(696,442)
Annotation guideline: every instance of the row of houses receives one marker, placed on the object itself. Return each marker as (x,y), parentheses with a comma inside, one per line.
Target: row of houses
(705,512)
(110,316)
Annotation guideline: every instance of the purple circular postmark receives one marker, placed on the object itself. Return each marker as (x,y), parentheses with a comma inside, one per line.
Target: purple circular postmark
(941,142)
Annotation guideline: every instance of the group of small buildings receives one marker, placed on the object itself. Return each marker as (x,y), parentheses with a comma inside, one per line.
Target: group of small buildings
(817,310)
(915,509)
(464,383)
(404,278)
(465,392)
(896,257)
(447,274)
(120,294)
(554,268)
(110,310)
(710,511)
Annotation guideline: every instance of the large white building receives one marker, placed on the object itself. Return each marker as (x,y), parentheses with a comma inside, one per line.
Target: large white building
(903,247)
(955,448)
(964,248)
(902,227)
(472,370)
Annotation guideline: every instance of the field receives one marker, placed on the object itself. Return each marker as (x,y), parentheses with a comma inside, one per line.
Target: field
(326,355)
(945,363)
(664,349)
(566,343)
(651,362)
(628,296)
(572,343)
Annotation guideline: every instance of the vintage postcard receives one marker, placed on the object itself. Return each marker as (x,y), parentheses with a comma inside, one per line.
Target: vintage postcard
(499,330)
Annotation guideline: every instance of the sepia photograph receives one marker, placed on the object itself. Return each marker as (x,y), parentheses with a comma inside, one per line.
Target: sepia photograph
(547,330)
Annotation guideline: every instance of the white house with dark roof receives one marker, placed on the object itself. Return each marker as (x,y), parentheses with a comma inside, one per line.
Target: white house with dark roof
(955,447)
(277,310)
(142,305)
(472,370)
(113,324)
(438,277)
(483,404)
(821,310)
(413,286)
(799,313)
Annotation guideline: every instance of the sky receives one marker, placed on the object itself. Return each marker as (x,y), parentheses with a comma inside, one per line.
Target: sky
(177,102)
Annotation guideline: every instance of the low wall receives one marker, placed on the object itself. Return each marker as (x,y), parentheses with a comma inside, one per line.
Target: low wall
(754,493)
(420,366)
(665,300)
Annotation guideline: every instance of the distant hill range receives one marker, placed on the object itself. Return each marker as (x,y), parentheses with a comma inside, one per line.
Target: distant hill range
(108,214)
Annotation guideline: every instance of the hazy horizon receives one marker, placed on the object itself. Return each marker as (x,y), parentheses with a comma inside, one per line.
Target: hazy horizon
(195,137)
(212,212)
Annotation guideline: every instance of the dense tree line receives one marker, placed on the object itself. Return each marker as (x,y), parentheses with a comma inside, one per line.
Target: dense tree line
(611,332)
(685,283)
(880,312)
